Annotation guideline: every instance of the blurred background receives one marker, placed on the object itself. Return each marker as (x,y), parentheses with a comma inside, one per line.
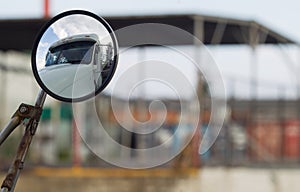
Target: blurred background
(253,43)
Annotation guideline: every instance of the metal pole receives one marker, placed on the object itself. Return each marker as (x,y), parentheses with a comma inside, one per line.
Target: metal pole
(46,9)
(141,105)
(12,176)
(3,90)
(8,129)
(39,102)
(75,145)
(253,42)
(199,33)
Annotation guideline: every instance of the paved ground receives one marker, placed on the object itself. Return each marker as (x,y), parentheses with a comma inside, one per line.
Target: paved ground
(207,180)
(249,180)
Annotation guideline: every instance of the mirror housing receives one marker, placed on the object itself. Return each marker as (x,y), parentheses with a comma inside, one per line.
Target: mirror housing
(75,56)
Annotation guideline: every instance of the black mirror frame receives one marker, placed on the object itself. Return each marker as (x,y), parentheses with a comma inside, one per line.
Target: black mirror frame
(40,35)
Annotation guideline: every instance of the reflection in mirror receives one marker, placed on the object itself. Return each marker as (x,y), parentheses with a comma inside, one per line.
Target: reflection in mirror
(75,57)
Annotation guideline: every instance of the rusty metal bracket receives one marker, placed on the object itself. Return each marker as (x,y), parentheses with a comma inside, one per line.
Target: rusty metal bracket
(28,111)
(30,116)
(8,181)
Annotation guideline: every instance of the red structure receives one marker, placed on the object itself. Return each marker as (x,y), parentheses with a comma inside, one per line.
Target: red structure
(46,9)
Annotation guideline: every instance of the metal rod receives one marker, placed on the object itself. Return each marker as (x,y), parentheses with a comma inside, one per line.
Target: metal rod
(14,171)
(39,102)
(4,190)
(12,176)
(8,129)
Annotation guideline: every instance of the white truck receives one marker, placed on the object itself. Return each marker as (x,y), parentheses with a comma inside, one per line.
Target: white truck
(77,65)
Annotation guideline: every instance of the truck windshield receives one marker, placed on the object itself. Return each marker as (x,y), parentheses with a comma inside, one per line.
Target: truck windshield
(72,53)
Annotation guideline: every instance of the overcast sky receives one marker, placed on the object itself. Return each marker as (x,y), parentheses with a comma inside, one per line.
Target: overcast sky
(277,65)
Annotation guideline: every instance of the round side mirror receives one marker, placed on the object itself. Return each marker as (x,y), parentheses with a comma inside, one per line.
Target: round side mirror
(75,56)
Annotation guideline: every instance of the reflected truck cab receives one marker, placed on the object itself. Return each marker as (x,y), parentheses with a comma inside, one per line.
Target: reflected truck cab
(79,62)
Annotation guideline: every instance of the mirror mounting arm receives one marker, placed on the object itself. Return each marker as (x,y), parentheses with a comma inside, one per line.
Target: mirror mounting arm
(24,111)
(28,111)
(33,114)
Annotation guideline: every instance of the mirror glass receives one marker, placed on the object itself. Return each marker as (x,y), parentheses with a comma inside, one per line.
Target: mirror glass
(75,56)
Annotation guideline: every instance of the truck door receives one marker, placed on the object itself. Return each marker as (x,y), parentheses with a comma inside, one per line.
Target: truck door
(97,68)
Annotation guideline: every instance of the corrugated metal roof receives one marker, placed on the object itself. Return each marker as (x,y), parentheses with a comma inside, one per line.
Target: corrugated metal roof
(19,34)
